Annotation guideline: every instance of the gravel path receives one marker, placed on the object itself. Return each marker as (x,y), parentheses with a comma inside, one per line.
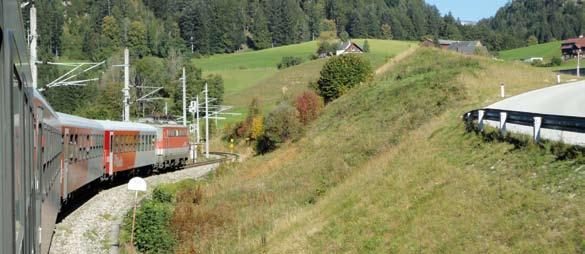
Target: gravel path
(93,227)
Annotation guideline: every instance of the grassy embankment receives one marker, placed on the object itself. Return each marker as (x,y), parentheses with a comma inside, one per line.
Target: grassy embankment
(545,50)
(390,168)
(254,74)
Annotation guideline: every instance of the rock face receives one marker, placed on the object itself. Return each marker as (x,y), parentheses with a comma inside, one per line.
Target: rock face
(93,227)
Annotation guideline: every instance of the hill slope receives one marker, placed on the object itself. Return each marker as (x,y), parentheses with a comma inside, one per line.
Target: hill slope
(546,51)
(390,168)
(245,74)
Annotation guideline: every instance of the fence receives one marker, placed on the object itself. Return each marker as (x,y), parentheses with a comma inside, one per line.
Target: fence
(566,129)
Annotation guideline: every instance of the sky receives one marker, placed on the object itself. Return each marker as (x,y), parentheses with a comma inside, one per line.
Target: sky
(469,10)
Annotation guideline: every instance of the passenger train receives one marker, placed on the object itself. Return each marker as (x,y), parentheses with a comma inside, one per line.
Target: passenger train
(46,157)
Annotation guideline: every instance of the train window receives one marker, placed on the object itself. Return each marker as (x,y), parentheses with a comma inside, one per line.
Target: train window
(113,147)
(19,151)
(123,144)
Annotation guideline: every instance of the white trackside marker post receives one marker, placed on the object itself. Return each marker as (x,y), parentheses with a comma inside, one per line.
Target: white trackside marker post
(558,78)
(502,90)
(136,184)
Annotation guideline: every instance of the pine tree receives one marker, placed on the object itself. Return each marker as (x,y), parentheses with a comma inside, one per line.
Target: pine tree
(260,35)
(137,40)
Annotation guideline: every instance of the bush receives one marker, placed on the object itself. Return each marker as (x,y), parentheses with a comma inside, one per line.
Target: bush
(152,233)
(282,125)
(162,195)
(342,73)
(309,105)
(556,61)
(289,61)
(366,46)
(265,145)
(326,47)
(538,63)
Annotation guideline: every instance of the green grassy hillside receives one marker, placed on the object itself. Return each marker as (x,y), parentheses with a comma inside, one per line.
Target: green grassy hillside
(545,50)
(390,168)
(246,74)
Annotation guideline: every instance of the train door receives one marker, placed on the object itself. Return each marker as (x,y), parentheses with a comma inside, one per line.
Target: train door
(67,156)
(111,155)
(40,155)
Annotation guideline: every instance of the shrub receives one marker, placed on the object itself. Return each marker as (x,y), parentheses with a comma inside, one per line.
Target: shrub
(162,195)
(289,61)
(283,124)
(556,61)
(152,222)
(538,63)
(265,145)
(366,46)
(326,47)
(341,74)
(256,127)
(309,106)
(344,36)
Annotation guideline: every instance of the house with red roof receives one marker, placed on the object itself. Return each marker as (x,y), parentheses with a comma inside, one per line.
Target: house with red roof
(570,48)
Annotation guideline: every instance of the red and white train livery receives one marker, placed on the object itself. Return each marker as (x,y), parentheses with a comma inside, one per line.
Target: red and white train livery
(128,146)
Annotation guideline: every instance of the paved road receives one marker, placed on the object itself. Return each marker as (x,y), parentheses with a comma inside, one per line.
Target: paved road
(565,99)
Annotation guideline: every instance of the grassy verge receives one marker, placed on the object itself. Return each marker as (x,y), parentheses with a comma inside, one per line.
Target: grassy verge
(390,168)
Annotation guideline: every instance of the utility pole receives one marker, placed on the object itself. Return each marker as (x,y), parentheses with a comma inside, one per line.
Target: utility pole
(579,63)
(206,122)
(184,79)
(197,117)
(126,85)
(33,45)
(166,109)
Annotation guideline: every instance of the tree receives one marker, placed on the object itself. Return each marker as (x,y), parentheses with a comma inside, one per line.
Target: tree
(341,74)
(256,127)
(260,35)
(344,36)
(366,46)
(281,125)
(111,32)
(137,39)
(309,105)
(215,87)
(386,32)
(532,40)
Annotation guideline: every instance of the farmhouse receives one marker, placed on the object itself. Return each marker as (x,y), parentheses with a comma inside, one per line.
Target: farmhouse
(570,48)
(349,48)
(463,47)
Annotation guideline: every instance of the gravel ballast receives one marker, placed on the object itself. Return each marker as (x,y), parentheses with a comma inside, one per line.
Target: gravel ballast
(93,227)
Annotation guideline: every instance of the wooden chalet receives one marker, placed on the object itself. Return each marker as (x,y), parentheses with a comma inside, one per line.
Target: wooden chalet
(570,48)
(349,48)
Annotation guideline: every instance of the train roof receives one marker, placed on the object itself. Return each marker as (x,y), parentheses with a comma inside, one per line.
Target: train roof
(78,122)
(43,102)
(126,126)
(169,126)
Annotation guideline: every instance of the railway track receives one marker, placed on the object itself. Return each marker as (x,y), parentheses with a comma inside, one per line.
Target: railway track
(92,224)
